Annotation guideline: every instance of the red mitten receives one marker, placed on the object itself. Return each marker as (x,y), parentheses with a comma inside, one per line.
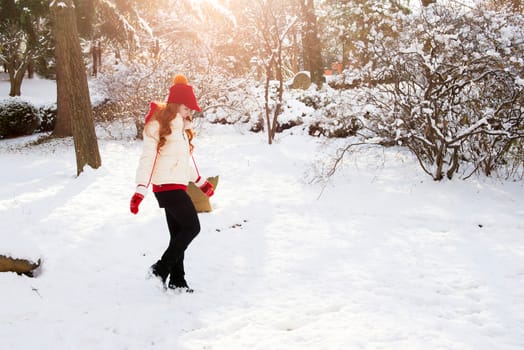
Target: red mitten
(207,188)
(135,202)
(137,198)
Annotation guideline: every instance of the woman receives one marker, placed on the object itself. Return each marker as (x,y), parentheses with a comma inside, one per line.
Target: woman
(168,165)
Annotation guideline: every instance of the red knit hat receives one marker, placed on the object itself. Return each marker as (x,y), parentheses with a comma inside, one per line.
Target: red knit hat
(182,93)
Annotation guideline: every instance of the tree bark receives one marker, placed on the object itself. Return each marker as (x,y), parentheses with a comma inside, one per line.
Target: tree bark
(30,70)
(16,76)
(94,54)
(15,85)
(63,126)
(72,88)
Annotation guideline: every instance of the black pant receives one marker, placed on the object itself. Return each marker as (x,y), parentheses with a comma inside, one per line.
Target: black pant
(184,226)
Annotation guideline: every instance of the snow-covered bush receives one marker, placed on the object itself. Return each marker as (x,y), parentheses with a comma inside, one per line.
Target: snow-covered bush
(332,113)
(47,117)
(450,88)
(231,101)
(324,112)
(17,118)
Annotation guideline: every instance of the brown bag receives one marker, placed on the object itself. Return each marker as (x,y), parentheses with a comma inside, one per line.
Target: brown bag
(200,200)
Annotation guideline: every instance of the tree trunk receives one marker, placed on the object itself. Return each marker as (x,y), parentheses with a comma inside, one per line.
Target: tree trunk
(311,43)
(280,100)
(266,104)
(94,55)
(30,70)
(345,53)
(63,126)
(99,57)
(16,76)
(72,84)
(295,52)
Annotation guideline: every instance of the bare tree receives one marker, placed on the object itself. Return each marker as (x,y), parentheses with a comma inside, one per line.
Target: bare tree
(74,102)
(272,26)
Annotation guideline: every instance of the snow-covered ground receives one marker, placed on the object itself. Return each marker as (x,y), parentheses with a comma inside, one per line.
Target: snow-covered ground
(381,257)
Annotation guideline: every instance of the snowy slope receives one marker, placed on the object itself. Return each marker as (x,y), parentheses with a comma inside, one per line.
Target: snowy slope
(381,257)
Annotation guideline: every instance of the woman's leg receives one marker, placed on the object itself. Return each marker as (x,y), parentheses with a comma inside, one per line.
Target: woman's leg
(183,224)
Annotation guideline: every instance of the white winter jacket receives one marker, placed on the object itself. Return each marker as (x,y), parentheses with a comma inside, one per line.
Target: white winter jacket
(174,164)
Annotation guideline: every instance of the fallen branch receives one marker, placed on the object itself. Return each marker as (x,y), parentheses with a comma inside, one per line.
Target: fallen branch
(20,266)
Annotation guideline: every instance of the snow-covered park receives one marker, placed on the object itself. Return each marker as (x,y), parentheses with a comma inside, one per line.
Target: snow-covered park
(378,257)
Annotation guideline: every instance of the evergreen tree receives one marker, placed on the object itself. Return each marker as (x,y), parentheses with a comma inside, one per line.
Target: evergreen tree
(311,42)
(23,37)
(85,17)
(350,25)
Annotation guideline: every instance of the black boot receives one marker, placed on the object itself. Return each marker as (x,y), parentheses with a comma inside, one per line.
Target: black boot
(179,284)
(176,277)
(157,270)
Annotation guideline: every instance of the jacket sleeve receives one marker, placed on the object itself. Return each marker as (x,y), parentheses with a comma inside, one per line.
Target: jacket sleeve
(153,106)
(146,163)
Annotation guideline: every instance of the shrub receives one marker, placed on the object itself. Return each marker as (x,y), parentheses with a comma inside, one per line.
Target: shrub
(331,113)
(450,89)
(17,118)
(336,128)
(47,118)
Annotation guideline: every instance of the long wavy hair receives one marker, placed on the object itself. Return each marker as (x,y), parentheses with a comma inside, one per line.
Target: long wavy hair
(164,114)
